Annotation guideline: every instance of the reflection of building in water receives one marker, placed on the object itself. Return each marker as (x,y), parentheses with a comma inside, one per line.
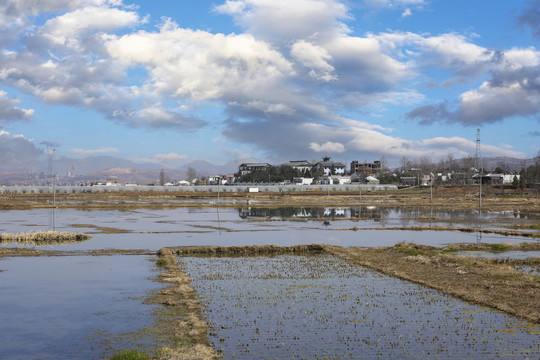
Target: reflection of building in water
(284,213)
(292,212)
(366,212)
(334,212)
(303,213)
(246,213)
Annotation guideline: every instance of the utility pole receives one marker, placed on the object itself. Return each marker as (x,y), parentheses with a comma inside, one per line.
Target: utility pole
(51,152)
(478,164)
(431,187)
(52,219)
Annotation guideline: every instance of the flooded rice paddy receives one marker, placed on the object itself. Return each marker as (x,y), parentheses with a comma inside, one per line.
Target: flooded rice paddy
(297,307)
(88,307)
(361,226)
(73,307)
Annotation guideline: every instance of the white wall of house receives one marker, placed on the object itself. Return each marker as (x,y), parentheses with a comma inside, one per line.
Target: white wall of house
(335,180)
(302,181)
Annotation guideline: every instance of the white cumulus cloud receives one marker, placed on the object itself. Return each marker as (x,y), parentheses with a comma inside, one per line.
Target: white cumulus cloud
(330,147)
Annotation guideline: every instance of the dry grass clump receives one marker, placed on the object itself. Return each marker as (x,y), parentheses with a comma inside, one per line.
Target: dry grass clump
(251,250)
(44,238)
(180,316)
(525,246)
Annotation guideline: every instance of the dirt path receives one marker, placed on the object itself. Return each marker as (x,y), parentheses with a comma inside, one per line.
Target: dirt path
(180,315)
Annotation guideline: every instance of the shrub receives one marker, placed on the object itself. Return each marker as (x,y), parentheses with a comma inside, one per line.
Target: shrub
(130,355)
(161,262)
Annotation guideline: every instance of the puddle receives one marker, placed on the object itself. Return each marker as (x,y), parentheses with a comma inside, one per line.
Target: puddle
(84,307)
(515,255)
(298,307)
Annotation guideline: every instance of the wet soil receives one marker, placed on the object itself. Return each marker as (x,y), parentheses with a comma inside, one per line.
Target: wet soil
(487,282)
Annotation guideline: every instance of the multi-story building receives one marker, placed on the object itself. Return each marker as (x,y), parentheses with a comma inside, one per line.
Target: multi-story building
(365,169)
(246,168)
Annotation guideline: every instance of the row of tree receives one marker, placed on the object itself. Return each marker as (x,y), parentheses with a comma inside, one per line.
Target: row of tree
(276,174)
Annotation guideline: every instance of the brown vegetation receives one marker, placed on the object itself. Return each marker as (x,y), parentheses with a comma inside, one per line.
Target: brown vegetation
(180,316)
(477,280)
(451,197)
(44,238)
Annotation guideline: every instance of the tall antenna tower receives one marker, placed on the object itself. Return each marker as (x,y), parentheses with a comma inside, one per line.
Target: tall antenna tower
(478,157)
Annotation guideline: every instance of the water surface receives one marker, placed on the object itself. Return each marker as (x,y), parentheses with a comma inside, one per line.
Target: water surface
(73,307)
(361,226)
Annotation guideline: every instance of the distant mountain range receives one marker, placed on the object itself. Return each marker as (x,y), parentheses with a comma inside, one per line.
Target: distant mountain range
(506,163)
(151,173)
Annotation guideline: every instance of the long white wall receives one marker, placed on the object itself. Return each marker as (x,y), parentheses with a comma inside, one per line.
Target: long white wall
(209,188)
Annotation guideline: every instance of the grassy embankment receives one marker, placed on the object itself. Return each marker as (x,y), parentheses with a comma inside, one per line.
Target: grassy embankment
(44,238)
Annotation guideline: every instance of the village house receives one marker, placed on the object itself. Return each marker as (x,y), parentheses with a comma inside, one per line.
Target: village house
(302,181)
(497,179)
(408,180)
(334,180)
(246,168)
(330,167)
(301,165)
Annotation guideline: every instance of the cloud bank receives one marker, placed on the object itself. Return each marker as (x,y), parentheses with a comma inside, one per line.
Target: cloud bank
(284,82)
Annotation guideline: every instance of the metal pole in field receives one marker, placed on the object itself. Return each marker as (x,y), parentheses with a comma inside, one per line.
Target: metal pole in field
(478,164)
(51,153)
(218,184)
(418,172)
(431,190)
(431,187)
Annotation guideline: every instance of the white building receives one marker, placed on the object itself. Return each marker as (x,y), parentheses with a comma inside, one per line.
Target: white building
(302,165)
(330,167)
(302,181)
(335,180)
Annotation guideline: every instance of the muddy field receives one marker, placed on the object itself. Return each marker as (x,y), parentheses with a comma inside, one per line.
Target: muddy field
(466,197)
(491,283)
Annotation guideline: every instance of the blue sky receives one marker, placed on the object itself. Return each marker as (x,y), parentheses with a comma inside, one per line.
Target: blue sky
(275,80)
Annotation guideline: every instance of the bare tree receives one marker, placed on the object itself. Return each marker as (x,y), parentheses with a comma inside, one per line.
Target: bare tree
(191,174)
(384,164)
(405,164)
(425,164)
(162,177)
